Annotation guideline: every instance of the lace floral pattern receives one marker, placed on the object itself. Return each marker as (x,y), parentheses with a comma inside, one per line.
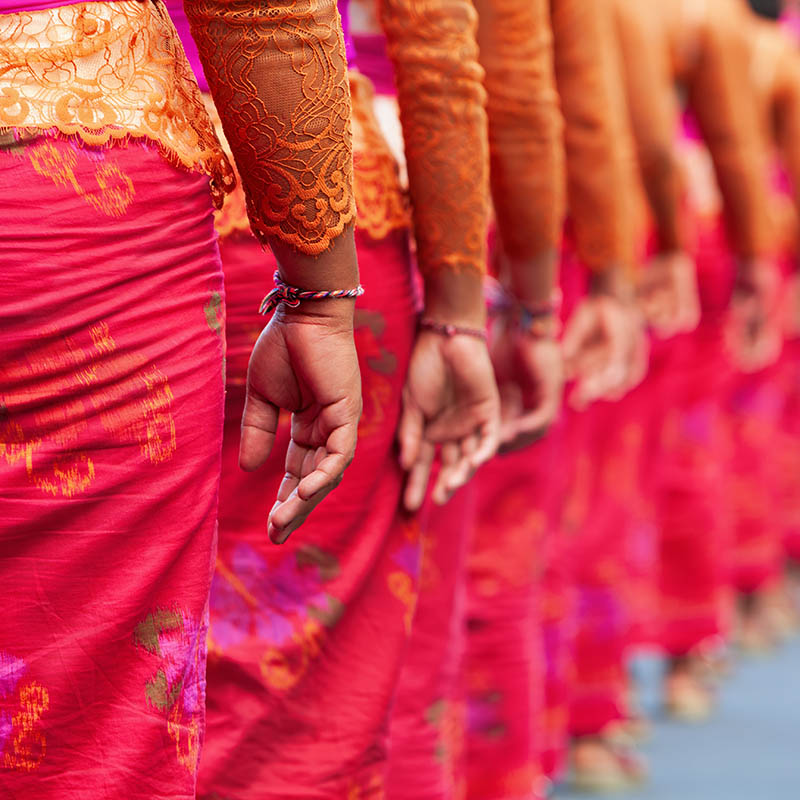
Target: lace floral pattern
(439,84)
(278,75)
(381,202)
(380,198)
(525,125)
(107,71)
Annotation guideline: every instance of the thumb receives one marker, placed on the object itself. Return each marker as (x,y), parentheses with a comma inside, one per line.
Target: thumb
(259,425)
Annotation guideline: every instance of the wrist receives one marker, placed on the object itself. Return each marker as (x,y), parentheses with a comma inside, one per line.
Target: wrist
(336,315)
(612,282)
(531,281)
(455,299)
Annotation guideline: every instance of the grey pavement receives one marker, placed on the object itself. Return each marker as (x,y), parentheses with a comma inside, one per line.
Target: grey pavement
(750,750)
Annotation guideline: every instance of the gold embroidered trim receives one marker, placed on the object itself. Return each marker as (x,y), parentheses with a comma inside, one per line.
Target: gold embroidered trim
(105,72)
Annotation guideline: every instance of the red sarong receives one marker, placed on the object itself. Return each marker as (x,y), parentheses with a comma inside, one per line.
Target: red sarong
(306,639)
(427,730)
(692,484)
(110,428)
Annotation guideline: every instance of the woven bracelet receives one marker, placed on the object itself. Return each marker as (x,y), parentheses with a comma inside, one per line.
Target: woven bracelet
(292,296)
(452,330)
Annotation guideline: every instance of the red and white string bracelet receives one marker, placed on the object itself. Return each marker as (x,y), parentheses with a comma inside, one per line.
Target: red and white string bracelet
(292,296)
(444,329)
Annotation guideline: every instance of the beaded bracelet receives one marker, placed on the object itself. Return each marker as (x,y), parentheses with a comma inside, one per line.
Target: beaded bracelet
(450,331)
(538,320)
(292,296)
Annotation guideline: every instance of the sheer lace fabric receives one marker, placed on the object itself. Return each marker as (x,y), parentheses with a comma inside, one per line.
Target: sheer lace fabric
(600,157)
(278,75)
(381,202)
(525,124)
(442,107)
(106,71)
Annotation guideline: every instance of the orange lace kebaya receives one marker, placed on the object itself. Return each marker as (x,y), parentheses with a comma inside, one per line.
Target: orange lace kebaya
(278,75)
(441,97)
(525,125)
(597,138)
(105,72)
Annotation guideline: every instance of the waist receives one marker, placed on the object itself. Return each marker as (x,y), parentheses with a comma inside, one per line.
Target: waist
(103,72)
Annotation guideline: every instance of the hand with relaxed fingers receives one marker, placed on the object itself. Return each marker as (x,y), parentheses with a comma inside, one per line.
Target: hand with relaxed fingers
(450,404)
(668,294)
(305,362)
(754,330)
(529,370)
(605,344)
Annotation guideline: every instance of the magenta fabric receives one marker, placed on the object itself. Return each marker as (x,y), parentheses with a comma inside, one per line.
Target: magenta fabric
(111,401)
(373,61)
(307,639)
(427,729)
(178,15)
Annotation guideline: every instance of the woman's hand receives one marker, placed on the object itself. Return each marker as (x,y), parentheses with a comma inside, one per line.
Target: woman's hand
(530,378)
(605,346)
(450,400)
(668,294)
(304,361)
(754,332)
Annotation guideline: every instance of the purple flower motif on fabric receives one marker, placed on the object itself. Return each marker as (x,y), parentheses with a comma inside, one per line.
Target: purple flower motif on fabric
(270,601)
(178,687)
(11,671)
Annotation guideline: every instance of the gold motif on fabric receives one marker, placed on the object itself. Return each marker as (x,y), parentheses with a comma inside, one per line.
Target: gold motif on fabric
(105,72)
(131,397)
(111,195)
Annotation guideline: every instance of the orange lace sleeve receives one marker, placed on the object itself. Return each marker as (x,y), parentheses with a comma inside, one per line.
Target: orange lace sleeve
(597,136)
(278,75)
(786,117)
(525,125)
(722,99)
(652,106)
(442,108)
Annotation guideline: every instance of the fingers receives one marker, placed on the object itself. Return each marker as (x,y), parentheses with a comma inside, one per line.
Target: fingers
(409,433)
(578,330)
(450,473)
(311,475)
(259,424)
(418,477)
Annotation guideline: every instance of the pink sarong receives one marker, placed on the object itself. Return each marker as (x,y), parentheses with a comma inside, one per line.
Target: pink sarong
(306,639)
(111,401)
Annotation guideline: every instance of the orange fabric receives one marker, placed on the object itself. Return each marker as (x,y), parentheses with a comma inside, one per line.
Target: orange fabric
(381,202)
(776,76)
(106,72)
(653,112)
(279,78)
(597,138)
(439,86)
(710,47)
(525,125)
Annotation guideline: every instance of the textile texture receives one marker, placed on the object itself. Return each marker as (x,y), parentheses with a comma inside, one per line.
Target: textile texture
(306,639)
(427,729)
(111,408)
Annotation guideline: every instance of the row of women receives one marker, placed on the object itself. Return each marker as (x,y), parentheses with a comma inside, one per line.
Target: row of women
(571,375)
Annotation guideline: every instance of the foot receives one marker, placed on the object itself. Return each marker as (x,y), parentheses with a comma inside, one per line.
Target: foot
(601,766)
(687,698)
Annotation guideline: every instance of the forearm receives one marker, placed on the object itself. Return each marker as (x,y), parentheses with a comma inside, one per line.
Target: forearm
(597,136)
(442,108)
(525,139)
(279,80)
